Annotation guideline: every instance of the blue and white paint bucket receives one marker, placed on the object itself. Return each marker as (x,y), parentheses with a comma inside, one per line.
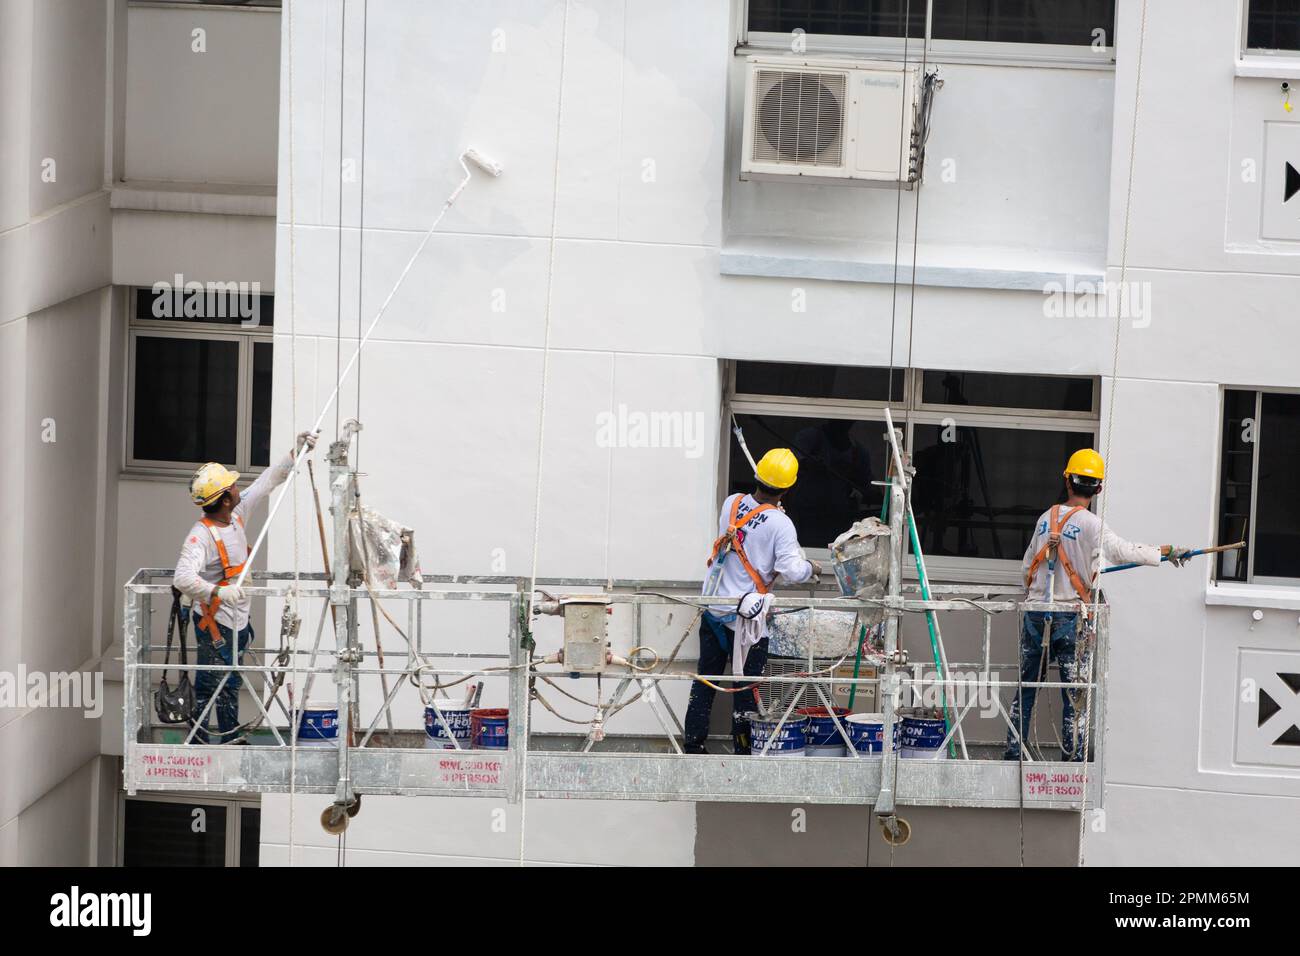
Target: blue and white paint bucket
(489,728)
(823,739)
(319,726)
(456,717)
(790,741)
(924,731)
(867,731)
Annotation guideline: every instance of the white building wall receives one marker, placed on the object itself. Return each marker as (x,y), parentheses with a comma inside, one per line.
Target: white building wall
(652,227)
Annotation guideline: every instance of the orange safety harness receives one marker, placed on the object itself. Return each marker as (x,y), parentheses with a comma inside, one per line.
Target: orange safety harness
(208,612)
(730,541)
(1056,523)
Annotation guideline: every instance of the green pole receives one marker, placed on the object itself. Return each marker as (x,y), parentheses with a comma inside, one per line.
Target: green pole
(924,579)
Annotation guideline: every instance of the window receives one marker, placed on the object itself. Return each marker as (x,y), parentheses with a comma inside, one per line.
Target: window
(1084,23)
(200,378)
(1257,481)
(1273,25)
(989,448)
(174,830)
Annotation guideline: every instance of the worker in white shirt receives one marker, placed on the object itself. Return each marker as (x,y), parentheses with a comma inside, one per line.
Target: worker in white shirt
(1079,543)
(756,543)
(211,559)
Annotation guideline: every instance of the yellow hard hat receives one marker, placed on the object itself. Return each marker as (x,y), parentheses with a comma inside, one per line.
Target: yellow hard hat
(1087,463)
(778,468)
(210,482)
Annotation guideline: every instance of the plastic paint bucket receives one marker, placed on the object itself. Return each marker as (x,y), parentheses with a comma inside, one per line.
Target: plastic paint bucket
(789,741)
(867,731)
(319,726)
(924,732)
(457,717)
(821,726)
(489,728)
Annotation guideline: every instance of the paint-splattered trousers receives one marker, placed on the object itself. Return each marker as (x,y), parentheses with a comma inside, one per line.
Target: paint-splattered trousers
(206,683)
(715,658)
(1062,650)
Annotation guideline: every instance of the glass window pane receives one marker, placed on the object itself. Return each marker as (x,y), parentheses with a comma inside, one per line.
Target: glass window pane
(186,399)
(1277,513)
(875,18)
(850,382)
(261,453)
(250,835)
(839,458)
(1235,478)
(1069,22)
(1048,392)
(162,834)
(246,308)
(1273,25)
(978,494)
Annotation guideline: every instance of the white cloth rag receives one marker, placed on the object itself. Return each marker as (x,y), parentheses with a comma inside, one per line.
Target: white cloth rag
(749,631)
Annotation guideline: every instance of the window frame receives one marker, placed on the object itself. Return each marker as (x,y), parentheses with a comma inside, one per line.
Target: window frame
(1251,581)
(1246,52)
(245,337)
(907,414)
(985,52)
(234,805)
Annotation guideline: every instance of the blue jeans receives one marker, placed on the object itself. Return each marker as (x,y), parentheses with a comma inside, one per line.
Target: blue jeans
(1061,650)
(206,683)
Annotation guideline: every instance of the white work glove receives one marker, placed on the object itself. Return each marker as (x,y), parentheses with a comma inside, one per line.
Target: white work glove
(229,594)
(816,572)
(305,438)
(1179,556)
(750,605)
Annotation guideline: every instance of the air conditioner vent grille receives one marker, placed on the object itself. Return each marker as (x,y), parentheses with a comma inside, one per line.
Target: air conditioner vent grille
(799,118)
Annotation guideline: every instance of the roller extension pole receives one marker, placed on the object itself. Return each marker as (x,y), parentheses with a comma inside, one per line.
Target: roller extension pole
(1165,557)
(489,167)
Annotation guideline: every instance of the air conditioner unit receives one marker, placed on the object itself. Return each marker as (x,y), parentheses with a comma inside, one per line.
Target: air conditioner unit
(832,121)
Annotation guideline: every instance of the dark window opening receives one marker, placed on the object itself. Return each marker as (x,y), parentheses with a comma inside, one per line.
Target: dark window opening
(186,399)
(978,491)
(1064,22)
(211,306)
(991,390)
(1236,473)
(158,833)
(791,379)
(1273,25)
(1277,512)
(839,458)
(261,438)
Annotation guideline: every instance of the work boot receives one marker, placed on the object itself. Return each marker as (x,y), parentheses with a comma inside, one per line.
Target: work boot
(693,748)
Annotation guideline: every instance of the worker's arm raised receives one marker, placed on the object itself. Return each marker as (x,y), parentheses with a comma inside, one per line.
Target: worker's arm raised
(274,476)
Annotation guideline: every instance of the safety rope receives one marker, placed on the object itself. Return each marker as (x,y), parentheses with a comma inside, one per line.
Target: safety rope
(541,415)
(293,412)
(1114,393)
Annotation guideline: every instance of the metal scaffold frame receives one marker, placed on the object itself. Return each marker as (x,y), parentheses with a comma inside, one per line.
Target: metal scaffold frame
(620,766)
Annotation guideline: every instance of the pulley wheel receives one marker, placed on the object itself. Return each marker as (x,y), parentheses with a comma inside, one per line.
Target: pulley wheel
(895,830)
(334,819)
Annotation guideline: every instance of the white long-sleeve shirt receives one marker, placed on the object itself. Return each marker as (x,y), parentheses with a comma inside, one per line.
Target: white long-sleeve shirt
(198,568)
(1084,541)
(771,545)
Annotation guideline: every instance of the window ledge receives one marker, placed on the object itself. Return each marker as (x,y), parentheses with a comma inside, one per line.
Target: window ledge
(1253,596)
(984,267)
(1280,67)
(222,199)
